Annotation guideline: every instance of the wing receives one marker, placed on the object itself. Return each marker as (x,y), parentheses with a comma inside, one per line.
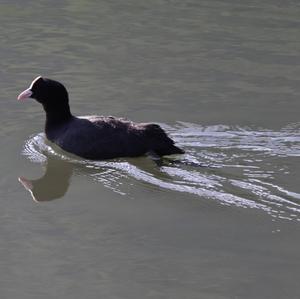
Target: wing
(96,137)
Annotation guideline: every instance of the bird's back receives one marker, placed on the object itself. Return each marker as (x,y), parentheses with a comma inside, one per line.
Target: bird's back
(97,137)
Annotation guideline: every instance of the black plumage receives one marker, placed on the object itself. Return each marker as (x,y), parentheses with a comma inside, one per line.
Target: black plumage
(95,137)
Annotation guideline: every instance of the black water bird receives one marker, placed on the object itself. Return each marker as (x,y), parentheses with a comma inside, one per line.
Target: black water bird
(95,137)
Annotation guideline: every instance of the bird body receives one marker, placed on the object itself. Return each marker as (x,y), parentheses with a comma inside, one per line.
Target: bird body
(95,137)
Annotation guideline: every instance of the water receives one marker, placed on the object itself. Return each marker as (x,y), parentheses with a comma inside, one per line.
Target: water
(221,221)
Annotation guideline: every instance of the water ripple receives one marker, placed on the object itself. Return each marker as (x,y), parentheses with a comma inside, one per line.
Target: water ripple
(232,165)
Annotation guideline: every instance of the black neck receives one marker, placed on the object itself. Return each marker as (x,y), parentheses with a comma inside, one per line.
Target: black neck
(57,115)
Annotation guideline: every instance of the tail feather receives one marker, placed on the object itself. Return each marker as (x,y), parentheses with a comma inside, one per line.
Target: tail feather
(159,142)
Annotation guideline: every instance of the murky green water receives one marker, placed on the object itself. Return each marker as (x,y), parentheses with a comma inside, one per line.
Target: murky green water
(222,77)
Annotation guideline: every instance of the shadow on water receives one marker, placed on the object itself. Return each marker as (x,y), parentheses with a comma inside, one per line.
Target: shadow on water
(53,184)
(55,181)
(235,166)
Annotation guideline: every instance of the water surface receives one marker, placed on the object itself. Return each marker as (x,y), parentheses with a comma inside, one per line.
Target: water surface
(221,221)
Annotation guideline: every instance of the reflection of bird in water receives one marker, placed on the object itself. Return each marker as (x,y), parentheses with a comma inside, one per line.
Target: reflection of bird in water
(56,179)
(53,184)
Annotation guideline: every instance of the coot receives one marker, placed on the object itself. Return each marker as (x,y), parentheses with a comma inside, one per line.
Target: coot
(95,137)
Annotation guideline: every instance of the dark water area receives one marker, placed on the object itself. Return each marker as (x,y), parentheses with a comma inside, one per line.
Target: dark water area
(220,221)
